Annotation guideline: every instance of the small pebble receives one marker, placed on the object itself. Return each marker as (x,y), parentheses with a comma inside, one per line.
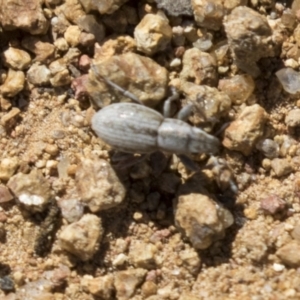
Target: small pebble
(6,284)
(201,219)
(82,238)
(152,34)
(289,254)
(272,204)
(281,166)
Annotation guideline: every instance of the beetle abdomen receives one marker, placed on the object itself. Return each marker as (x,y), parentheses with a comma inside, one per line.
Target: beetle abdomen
(128,127)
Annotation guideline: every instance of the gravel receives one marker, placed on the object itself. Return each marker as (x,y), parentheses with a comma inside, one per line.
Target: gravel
(75,226)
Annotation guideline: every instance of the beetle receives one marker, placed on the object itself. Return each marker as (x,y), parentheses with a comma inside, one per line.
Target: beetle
(135,128)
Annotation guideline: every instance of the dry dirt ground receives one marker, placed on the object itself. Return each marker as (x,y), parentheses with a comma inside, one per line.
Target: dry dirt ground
(142,253)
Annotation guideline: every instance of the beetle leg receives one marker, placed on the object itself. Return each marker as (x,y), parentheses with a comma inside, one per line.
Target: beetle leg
(188,163)
(224,176)
(115,86)
(123,160)
(222,129)
(168,103)
(185,112)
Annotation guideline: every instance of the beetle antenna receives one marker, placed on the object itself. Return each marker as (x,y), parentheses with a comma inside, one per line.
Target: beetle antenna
(115,86)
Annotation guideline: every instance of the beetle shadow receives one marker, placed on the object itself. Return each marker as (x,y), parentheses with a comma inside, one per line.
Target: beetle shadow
(122,221)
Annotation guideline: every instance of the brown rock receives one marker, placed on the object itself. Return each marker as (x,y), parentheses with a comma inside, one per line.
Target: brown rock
(16,58)
(44,51)
(290,254)
(293,118)
(199,67)
(281,166)
(239,88)
(13,84)
(248,34)
(141,76)
(8,166)
(243,133)
(142,254)
(5,194)
(103,6)
(208,13)
(127,281)
(82,238)
(201,219)
(99,286)
(10,116)
(26,15)
(98,185)
(272,204)
(32,190)
(152,34)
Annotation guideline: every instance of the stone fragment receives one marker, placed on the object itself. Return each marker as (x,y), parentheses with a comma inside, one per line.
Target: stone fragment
(16,58)
(24,15)
(175,7)
(208,103)
(84,63)
(209,13)
(98,185)
(103,6)
(289,254)
(72,35)
(126,282)
(8,166)
(71,209)
(114,46)
(43,51)
(201,219)
(5,194)
(10,116)
(272,204)
(102,286)
(293,117)
(38,74)
(13,84)
(82,238)
(139,75)
(199,67)
(32,190)
(61,44)
(289,79)
(72,10)
(191,260)
(61,78)
(268,147)
(152,34)
(142,255)
(87,40)
(79,86)
(249,38)
(90,24)
(239,88)
(149,288)
(281,166)
(243,133)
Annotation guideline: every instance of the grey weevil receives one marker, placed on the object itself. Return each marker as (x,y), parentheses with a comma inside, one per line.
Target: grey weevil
(135,128)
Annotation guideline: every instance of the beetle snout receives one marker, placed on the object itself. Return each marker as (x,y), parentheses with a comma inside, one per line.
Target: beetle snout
(203,142)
